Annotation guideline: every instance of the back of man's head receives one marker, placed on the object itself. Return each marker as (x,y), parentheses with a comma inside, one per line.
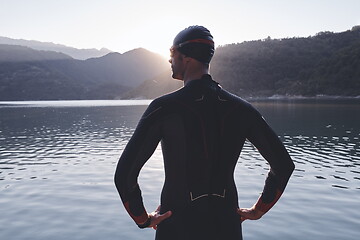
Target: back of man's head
(195,42)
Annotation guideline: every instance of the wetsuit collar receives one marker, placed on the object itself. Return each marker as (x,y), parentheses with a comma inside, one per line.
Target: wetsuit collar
(206,78)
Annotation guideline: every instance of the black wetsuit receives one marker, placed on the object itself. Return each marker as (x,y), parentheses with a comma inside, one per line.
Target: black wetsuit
(202,129)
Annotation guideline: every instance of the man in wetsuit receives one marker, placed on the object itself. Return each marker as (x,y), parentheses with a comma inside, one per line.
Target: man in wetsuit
(202,129)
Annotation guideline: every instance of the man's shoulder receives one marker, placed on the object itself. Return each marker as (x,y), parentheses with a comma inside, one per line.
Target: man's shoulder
(168,98)
(228,96)
(162,104)
(239,105)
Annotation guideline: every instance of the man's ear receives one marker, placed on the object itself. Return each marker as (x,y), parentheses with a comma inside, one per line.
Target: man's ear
(187,59)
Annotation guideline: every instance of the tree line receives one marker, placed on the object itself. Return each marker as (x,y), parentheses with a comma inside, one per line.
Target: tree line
(325,64)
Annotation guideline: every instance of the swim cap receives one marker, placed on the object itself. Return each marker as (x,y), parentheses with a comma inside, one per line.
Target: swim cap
(195,42)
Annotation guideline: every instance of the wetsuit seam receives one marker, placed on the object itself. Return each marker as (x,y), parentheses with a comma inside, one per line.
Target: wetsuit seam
(202,128)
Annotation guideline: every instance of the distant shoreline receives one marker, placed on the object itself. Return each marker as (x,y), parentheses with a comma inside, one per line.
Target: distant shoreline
(250,98)
(299,97)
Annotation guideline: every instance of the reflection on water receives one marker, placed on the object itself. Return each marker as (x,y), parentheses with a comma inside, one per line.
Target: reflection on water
(52,136)
(57,161)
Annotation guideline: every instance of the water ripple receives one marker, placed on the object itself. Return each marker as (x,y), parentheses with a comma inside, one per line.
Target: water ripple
(69,154)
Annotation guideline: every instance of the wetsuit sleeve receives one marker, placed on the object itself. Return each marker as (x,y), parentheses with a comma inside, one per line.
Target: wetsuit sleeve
(138,150)
(281,165)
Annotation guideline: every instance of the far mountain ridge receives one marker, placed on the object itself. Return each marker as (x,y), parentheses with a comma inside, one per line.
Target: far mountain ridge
(15,53)
(134,53)
(131,68)
(75,53)
(31,77)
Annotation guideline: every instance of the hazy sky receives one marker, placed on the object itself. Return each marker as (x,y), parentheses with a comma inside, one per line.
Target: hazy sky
(122,25)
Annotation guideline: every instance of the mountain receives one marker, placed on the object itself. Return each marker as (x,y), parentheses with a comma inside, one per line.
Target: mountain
(155,87)
(27,74)
(325,64)
(14,53)
(80,54)
(130,68)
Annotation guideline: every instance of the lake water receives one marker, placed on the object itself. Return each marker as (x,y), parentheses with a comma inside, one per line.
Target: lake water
(57,161)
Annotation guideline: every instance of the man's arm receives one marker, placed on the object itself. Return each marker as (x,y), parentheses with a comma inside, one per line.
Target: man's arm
(281,167)
(138,150)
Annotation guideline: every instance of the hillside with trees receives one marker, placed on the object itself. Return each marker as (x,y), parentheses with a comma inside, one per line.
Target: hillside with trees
(325,64)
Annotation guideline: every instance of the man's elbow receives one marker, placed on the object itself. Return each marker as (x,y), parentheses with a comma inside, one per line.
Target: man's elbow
(290,167)
(117,180)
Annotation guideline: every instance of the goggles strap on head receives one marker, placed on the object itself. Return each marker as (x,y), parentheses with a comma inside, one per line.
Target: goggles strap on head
(207,42)
(200,40)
